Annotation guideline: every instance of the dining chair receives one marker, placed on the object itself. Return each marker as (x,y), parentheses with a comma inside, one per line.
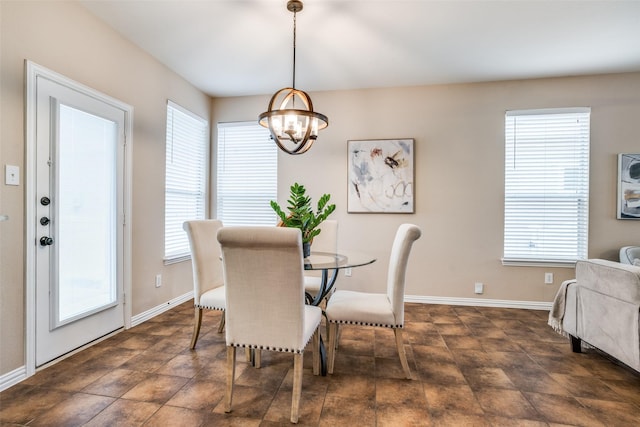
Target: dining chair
(266,310)
(326,241)
(208,284)
(376,309)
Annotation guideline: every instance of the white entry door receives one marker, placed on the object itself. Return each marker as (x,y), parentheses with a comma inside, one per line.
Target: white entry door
(78,218)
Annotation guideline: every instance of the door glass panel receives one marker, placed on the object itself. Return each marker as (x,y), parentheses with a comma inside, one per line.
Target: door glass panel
(86,221)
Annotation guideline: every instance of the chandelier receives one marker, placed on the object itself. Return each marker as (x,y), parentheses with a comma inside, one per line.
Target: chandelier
(293,129)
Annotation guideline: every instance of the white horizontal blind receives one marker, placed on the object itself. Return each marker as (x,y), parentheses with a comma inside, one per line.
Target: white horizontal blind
(546,213)
(247,174)
(185,179)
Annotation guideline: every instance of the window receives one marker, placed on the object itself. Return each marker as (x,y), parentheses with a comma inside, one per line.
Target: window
(185,178)
(247,174)
(546,206)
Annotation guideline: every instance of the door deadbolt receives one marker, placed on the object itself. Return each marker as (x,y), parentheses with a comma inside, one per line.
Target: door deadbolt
(46,241)
(44,220)
(44,201)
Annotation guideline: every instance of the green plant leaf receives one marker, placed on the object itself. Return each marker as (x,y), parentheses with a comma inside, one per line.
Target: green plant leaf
(301,214)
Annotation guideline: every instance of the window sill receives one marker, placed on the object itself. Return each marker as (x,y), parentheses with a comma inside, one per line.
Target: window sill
(169,261)
(537,263)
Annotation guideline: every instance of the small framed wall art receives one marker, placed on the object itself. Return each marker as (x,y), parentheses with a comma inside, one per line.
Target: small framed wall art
(381,176)
(628,186)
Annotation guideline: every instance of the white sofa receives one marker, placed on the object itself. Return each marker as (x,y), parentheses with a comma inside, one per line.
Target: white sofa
(602,308)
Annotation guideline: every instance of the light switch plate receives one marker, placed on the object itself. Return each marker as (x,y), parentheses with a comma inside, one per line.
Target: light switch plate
(11,175)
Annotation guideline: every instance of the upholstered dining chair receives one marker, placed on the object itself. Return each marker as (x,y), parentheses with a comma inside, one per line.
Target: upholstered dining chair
(326,241)
(266,310)
(208,284)
(376,309)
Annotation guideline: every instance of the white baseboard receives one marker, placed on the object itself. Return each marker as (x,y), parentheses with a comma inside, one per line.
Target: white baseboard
(12,378)
(153,312)
(480,302)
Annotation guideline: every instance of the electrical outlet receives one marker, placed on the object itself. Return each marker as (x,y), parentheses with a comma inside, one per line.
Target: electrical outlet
(347,272)
(158,280)
(11,175)
(548,278)
(479,288)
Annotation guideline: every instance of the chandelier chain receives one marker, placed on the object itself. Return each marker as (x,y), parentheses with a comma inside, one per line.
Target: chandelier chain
(294,49)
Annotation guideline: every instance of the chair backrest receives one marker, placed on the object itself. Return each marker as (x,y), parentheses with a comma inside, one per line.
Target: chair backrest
(263,274)
(205,255)
(405,236)
(327,240)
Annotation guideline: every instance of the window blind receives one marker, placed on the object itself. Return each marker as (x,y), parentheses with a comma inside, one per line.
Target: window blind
(247,174)
(185,177)
(546,212)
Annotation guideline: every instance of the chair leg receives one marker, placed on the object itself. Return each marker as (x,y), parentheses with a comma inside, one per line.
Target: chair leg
(257,358)
(333,335)
(327,328)
(231,373)
(221,324)
(196,326)
(402,353)
(297,386)
(316,352)
(253,356)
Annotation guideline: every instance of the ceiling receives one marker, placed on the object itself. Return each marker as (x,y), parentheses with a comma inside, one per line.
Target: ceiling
(245,47)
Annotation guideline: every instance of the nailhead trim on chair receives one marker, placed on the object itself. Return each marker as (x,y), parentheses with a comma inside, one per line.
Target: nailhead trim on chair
(283,350)
(259,347)
(208,308)
(352,322)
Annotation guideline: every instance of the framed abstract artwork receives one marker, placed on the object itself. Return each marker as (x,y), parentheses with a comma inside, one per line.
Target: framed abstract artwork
(381,176)
(628,186)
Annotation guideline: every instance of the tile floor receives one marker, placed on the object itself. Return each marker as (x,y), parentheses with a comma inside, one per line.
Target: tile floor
(472,366)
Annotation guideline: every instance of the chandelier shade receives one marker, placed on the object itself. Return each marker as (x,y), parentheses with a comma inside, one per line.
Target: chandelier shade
(292,128)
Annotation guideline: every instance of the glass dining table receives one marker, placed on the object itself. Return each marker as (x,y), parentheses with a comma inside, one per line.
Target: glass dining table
(329,264)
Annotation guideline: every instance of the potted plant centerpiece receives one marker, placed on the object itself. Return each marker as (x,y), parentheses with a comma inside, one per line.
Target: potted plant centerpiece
(301,214)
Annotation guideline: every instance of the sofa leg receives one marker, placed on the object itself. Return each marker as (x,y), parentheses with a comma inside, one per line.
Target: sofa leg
(576,347)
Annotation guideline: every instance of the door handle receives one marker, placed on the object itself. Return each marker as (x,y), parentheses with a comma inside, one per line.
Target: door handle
(46,241)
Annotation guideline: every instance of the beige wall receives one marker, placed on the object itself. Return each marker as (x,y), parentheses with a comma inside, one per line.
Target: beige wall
(459,138)
(65,38)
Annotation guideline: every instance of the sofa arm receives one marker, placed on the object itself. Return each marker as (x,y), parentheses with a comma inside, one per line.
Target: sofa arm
(621,281)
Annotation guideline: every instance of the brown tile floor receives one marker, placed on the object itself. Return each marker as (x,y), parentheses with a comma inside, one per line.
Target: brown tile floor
(472,366)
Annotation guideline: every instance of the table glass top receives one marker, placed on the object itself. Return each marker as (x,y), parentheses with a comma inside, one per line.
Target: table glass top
(328,260)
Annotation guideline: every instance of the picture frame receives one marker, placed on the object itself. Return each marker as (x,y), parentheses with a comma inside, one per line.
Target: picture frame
(380,175)
(628,199)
